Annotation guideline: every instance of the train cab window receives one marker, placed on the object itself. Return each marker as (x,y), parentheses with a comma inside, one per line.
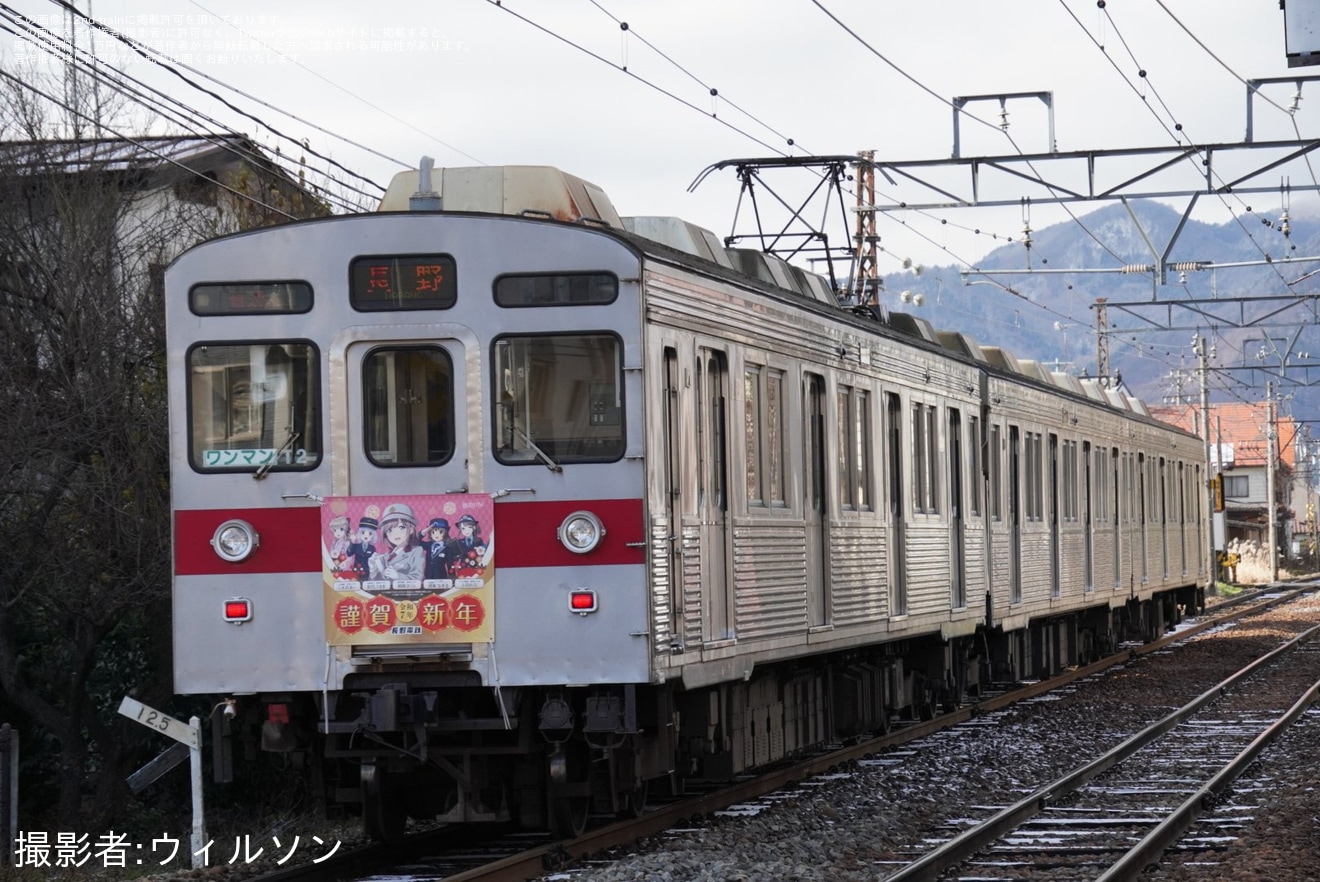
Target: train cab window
(558,289)
(253,406)
(558,399)
(408,406)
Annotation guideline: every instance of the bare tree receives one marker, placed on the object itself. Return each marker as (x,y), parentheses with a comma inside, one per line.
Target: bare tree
(85,231)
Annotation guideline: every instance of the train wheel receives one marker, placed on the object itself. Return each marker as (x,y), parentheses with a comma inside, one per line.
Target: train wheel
(635,803)
(570,790)
(570,814)
(383,815)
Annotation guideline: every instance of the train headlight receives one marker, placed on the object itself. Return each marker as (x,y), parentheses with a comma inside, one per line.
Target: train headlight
(581,531)
(235,540)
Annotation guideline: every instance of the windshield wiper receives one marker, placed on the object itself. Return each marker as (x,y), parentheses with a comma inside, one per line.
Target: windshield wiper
(540,454)
(266,467)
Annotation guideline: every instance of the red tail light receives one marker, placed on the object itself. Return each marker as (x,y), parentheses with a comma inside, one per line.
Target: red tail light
(239,609)
(277,713)
(582,600)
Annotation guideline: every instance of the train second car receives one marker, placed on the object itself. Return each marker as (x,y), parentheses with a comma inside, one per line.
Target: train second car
(493,505)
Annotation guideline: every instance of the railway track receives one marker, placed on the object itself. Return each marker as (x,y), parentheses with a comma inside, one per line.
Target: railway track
(1111,817)
(494,855)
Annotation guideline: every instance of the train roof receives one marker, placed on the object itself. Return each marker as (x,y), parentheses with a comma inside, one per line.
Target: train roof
(540,191)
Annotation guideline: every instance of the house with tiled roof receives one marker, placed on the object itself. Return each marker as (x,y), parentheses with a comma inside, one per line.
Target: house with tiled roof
(227,180)
(1239,446)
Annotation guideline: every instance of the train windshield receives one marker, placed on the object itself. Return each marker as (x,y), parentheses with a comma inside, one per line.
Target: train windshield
(253,406)
(558,399)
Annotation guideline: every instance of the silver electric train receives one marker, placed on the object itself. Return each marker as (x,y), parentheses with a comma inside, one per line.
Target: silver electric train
(494,505)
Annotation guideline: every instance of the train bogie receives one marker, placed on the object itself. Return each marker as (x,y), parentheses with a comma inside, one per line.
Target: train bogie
(516,516)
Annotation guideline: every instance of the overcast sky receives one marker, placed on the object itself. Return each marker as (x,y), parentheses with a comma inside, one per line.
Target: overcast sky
(469,82)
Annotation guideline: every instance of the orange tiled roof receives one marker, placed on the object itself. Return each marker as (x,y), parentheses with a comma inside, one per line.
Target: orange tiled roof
(1241,425)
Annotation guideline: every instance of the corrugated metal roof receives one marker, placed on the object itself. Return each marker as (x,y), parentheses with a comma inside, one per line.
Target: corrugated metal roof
(120,154)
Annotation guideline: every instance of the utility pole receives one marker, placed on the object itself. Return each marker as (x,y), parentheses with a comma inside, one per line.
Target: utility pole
(1102,340)
(1270,437)
(865,280)
(1202,357)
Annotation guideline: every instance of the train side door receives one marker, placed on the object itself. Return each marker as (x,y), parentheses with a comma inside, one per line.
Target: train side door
(814,500)
(898,599)
(1164,519)
(1088,538)
(1014,514)
(1056,586)
(713,492)
(1142,517)
(1182,519)
(673,486)
(1115,511)
(957,561)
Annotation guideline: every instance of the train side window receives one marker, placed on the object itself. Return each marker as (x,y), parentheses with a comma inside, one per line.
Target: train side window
(854,448)
(556,289)
(1100,459)
(752,432)
(408,406)
(763,394)
(925,459)
(996,474)
(1033,474)
(558,399)
(1070,507)
(253,406)
(974,465)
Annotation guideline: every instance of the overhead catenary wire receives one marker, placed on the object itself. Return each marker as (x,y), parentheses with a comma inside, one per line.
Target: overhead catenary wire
(167,107)
(632,74)
(945,101)
(1177,133)
(173,110)
(145,148)
(714,93)
(332,83)
(169,65)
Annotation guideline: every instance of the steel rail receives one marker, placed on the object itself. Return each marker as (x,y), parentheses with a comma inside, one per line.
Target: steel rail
(534,862)
(975,839)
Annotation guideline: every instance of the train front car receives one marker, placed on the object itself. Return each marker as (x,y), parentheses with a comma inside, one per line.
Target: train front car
(408,499)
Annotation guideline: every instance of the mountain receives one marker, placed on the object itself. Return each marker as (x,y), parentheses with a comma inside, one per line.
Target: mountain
(1049,315)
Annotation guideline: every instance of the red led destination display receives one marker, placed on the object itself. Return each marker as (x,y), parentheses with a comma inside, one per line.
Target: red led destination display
(390,282)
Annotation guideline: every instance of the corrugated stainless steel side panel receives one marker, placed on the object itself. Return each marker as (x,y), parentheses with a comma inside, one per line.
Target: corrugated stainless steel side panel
(860,573)
(928,568)
(1036,576)
(693,606)
(662,583)
(769,569)
(974,546)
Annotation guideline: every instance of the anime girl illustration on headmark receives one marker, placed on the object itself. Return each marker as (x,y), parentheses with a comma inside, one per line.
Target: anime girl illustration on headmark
(402,558)
(469,552)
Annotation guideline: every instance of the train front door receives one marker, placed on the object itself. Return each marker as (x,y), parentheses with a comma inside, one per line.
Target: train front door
(402,392)
(713,493)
